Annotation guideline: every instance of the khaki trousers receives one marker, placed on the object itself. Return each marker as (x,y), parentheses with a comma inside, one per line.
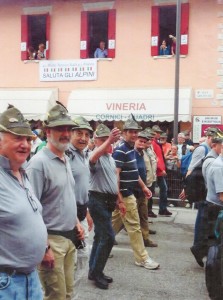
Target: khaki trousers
(142,205)
(58,283)
(132,224)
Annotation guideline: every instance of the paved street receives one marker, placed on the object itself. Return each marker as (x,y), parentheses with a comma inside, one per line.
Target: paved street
(179,277)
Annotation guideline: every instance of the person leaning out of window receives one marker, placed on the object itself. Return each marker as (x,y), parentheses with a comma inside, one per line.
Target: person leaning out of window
(164,49)
(101,52)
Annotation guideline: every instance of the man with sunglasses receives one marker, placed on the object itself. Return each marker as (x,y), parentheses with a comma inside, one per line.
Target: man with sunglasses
(23,235)
(51,177)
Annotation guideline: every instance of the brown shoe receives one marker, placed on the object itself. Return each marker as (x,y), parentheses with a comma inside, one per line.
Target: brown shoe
(151,214)
(152,231)
(148,243)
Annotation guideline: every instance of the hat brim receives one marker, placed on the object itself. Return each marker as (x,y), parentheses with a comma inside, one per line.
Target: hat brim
(60,123)
(19,131)
(82,127)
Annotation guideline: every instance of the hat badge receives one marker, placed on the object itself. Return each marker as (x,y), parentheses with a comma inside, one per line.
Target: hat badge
(13,120)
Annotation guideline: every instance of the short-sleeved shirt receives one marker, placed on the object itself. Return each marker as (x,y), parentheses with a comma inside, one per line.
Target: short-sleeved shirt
(209,159)
(198,156)
(23,235)
(79,162)
(53,184)
(215,181)
(125,159)
(103,176)
(99,53)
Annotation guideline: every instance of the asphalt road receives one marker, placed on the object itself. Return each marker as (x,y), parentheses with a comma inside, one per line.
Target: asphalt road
(179,276)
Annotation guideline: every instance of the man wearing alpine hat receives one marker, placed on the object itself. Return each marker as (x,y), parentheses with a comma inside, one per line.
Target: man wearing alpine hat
(23,235)
(50,174)
(128,178)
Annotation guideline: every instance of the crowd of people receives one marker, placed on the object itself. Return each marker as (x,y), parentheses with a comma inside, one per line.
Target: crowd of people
(72,183)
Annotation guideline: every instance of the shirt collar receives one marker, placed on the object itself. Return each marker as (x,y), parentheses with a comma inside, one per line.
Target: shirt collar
(5,164)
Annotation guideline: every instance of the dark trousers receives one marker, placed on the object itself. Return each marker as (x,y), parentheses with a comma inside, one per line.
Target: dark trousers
(161,182)
(150,202)
(204,236)
(104,235)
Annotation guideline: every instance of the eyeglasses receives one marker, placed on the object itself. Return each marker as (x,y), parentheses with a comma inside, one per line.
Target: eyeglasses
(31,200)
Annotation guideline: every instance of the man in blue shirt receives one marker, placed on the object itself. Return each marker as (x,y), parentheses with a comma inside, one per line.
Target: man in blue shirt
(128,178)
(101,52)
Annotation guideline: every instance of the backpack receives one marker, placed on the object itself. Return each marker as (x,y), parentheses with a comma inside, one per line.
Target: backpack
(185,162)
(214,264)
(194,184)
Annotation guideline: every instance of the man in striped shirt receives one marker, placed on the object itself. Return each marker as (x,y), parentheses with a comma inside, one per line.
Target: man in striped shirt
(128,178)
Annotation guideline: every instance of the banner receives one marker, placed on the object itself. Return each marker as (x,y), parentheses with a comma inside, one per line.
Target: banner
(68,70)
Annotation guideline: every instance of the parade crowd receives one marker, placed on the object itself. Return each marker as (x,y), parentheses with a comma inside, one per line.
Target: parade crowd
(79,179)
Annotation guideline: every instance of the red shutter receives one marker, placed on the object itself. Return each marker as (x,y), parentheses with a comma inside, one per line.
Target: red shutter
(24,37)
(84,35)
(111,32)
(184,28)
(47,36)
(155,31)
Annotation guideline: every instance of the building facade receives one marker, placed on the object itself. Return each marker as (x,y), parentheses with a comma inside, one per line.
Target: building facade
(133,78)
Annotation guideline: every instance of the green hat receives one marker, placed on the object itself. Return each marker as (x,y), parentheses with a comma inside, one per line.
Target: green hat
(214,131)
(163,135)
(217,140)
(102,131)
(12,120)
(150,131)
(131,124)
(144,134)
(58,116)
(82,123)
(156,128)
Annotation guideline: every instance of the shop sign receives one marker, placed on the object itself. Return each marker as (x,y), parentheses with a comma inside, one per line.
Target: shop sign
(198,121)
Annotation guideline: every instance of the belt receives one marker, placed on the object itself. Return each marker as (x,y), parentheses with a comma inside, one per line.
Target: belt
(12,271)
(104,196)
(66,234)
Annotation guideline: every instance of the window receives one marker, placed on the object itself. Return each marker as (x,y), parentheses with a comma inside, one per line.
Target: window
(97,26)
(164,23)
(34,31)
(98,30)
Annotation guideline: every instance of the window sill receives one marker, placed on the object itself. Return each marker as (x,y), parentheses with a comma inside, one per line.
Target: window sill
(31,61)
(167,56)
(106,59)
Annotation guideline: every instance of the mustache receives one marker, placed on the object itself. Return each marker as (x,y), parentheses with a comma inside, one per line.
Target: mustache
(64,139)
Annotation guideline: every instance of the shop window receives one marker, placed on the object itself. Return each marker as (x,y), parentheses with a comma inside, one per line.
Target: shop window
(164,24)
(96,27)
(35,30)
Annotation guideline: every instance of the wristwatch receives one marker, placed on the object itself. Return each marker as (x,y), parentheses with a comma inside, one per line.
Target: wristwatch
(47,248)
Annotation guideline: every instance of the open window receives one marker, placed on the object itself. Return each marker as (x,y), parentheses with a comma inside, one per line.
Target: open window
(164,24)
(95,27)
(35,30)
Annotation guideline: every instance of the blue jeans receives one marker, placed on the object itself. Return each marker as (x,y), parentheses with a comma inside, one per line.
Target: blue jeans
(20,287)
(104,235)
(161,182)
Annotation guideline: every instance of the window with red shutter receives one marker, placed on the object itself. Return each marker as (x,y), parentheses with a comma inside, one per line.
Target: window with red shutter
(97,26)
(35,30)
(163,24)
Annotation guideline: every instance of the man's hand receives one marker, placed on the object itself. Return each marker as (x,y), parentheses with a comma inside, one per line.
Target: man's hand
(114,135)
(48,259)
(89,221)
(80,231)
(182,195)
(148,194)
(122,208)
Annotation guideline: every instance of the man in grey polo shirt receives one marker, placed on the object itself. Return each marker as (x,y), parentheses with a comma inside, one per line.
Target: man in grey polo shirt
(79,161)
(23,235)
(50,174)
(103,196)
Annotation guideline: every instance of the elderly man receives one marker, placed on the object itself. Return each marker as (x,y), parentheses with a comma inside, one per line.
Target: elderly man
(79,161)
(23,235)
(50,174)
(128,177)
(103,197)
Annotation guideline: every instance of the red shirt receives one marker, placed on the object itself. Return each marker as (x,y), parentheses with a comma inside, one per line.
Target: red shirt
(160,159)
